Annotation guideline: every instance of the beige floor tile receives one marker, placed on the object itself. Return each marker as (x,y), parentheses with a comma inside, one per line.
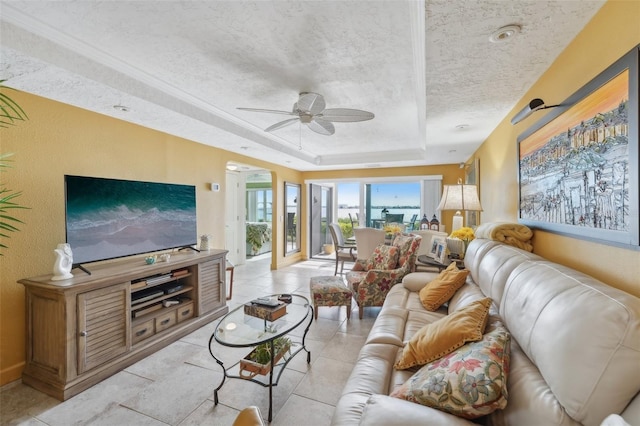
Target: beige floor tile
(302,411)
(176,395)
(19,403)
(209,414)
(96,401)
(239,393)
(175,385)
(343,347)
(119,415)
(154,366)
(325,381)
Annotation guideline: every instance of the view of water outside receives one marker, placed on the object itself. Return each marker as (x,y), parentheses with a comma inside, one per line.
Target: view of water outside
(397,198)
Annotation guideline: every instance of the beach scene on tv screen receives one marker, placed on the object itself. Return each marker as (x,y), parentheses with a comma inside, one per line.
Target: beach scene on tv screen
(109,218)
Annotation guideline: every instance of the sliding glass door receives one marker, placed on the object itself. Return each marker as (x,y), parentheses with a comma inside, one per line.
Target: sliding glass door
(321,214)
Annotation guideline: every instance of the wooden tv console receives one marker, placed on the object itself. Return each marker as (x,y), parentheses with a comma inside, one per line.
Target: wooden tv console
(82,330)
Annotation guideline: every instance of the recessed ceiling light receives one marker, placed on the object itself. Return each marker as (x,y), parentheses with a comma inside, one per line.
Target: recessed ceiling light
(462,126)
(232,167)
(505,33)
(244,148)
(122,108)
(451,151)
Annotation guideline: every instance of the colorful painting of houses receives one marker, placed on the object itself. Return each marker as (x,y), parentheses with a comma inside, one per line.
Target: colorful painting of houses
(575,169)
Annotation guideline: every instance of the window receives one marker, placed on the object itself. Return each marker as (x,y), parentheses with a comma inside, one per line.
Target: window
(258,205)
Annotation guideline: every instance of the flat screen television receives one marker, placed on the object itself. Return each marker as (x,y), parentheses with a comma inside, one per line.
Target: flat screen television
(110,218)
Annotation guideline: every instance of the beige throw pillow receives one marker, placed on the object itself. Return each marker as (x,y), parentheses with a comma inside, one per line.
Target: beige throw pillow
(441,337)
(440,290)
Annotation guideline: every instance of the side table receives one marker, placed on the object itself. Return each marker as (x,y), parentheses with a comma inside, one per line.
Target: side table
(424,260)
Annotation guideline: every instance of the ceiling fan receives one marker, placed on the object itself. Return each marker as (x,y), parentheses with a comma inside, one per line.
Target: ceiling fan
(310,110)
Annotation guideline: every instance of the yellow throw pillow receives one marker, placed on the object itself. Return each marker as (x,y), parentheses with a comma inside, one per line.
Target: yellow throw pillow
(440,290)
(441,337)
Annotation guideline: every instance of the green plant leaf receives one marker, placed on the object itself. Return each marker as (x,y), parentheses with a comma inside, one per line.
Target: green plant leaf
(10,111)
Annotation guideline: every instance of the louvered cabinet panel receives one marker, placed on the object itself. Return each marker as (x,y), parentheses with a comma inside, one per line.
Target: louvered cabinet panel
(103,325)
(211,285)
(85,329)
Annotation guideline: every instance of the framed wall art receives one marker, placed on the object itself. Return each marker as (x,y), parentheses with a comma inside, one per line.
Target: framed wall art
(578,166)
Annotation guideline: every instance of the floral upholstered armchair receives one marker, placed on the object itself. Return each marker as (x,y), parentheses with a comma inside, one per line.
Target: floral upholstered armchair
(371,279)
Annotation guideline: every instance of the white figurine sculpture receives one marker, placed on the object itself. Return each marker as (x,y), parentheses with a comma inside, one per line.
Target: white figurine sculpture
(64,262)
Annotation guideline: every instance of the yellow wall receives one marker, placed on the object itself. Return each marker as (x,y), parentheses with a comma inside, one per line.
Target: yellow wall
(612,32)
(59,139)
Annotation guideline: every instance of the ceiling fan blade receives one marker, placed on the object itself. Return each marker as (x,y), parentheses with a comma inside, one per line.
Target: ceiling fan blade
(312,103)
(281,124)
(273,111)
(346,115)
(321,126)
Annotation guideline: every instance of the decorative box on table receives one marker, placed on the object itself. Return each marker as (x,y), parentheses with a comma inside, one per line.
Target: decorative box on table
(269,313)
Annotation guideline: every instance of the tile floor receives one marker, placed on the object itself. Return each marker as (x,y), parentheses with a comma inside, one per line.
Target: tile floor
(174,386)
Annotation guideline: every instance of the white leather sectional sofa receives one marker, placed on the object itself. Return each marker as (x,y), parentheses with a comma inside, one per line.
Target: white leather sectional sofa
(575,345)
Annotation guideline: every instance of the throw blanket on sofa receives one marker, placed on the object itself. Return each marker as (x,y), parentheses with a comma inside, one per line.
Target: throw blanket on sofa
(513,234)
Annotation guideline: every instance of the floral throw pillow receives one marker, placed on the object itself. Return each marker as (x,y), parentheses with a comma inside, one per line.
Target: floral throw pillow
(383,258)
(470,382)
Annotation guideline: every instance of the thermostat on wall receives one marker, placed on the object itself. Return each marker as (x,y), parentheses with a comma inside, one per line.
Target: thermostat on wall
(215,187)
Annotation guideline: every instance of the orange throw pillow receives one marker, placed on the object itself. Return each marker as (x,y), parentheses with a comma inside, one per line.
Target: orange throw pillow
(441,289)
(442,337)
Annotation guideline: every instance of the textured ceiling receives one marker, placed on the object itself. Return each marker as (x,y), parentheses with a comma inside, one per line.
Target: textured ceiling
(183,67)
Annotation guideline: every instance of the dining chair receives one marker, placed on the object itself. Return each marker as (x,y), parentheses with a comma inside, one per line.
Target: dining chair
(344,252)
(411,225)
(394,218)
(354,222)
(367,239)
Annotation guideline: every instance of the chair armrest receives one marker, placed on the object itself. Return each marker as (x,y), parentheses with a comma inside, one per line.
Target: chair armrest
(359,265)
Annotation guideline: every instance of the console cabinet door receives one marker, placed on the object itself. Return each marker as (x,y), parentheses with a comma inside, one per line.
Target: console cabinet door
(103,325)
(211,285)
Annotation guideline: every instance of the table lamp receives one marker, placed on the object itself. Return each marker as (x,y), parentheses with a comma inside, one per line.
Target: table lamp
(459,197)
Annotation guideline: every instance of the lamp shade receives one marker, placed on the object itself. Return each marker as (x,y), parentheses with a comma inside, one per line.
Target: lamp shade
(460,197)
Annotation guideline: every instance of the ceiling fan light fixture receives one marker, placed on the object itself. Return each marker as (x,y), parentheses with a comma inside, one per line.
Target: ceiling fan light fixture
(310,110)
(504,33)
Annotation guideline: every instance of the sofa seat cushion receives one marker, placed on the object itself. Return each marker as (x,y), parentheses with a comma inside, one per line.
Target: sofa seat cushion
(383,410)
(470,382)
(445,335)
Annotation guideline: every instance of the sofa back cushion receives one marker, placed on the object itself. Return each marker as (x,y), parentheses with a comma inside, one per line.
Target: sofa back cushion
(582,335)
(490,263)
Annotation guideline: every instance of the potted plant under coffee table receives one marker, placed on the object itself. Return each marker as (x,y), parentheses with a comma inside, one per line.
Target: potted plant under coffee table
(265,330)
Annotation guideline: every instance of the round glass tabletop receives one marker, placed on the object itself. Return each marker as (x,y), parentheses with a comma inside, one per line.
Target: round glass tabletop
(240,329)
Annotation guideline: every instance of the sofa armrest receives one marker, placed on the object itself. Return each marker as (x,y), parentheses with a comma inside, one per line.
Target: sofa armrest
(385,410)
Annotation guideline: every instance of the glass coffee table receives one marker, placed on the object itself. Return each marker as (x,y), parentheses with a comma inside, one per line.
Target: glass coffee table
(239,330)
